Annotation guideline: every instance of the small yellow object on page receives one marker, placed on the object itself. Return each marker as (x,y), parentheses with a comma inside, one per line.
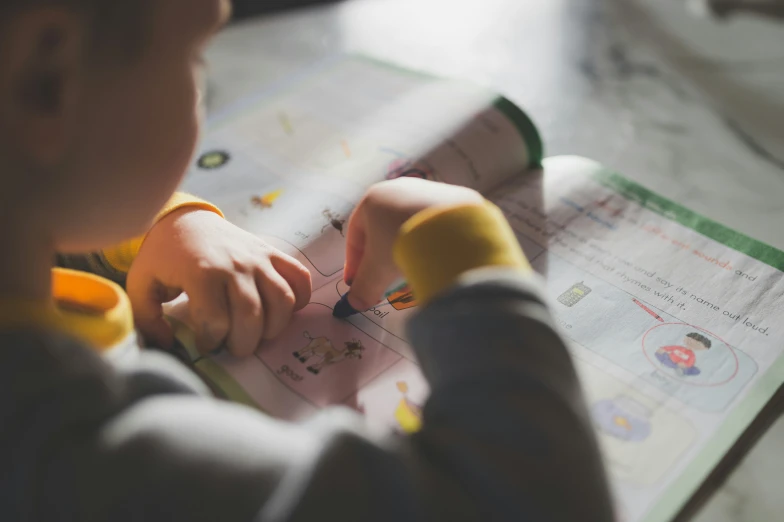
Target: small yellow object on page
(407,414)
(267,200)
(622,422)
(407,417)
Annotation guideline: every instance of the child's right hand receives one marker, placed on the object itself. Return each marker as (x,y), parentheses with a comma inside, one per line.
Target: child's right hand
(374,227)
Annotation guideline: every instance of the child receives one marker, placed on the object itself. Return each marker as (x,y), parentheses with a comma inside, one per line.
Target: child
(682,358)
(97,124)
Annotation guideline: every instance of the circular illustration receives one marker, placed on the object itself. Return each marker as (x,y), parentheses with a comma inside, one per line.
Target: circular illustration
(690,355)
(213,160)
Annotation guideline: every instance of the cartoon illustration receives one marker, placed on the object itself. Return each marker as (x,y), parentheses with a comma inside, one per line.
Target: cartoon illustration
(622,418)
(407,414)
(334,221)
(402,299)
(574,295)
(213,160)
(267,200)
(323,348)
(682,358)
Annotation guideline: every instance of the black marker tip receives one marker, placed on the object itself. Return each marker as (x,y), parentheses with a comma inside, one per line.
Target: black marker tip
(343,308)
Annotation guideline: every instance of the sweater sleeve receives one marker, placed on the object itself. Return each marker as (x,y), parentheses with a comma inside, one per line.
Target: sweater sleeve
(439,244)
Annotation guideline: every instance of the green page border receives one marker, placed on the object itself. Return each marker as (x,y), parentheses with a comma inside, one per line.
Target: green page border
(758,250)
(227,384)
(527,129)
(211,372)
(683,488)
(522,122)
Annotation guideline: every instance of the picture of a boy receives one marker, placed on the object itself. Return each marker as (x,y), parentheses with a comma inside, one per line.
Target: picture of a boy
(682,358)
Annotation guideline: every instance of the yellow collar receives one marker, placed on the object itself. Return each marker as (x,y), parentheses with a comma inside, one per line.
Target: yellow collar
(84,305)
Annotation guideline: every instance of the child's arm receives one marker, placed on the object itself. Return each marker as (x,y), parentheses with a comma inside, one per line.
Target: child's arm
(505,433)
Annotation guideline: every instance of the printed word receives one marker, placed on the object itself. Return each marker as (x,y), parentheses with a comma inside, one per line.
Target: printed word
(378,313)
(705,302)
(288,372)
(635,282)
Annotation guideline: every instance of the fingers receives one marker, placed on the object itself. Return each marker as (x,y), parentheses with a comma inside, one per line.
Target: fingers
(209,310)
(261,305)
(373,277)
(369,266)
(247,315)
(297,277)
(146,295)
(355,244)
(279,302)
(241,310)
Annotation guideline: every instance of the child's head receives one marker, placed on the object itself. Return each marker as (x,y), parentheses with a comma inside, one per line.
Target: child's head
(98,112)
(695,341)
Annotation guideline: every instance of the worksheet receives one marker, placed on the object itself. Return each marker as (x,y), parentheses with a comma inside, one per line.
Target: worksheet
(673,321)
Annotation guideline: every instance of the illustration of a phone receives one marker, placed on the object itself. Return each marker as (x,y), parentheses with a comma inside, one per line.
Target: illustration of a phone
(573,296)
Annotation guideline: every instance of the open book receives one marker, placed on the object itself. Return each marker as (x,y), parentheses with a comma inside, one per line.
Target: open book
(674,322)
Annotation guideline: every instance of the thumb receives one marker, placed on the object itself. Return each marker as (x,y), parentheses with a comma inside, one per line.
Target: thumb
(373,277)
(147,295)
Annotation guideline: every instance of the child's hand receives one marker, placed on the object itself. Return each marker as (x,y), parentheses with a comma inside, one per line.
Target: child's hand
(374,226)
(241,290)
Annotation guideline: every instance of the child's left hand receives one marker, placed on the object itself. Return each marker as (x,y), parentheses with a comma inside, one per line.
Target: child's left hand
(241,290)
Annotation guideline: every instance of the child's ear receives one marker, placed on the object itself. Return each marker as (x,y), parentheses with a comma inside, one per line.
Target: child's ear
(43,58)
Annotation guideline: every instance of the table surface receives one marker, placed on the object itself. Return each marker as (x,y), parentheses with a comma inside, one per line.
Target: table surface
(681,105)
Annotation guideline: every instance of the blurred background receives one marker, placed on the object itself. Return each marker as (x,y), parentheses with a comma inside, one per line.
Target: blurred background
(687,98)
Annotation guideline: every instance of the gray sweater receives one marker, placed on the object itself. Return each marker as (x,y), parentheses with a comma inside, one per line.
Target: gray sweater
(505,433)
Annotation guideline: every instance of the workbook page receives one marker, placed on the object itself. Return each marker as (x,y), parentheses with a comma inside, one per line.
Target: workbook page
(290,164)
(674,323)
